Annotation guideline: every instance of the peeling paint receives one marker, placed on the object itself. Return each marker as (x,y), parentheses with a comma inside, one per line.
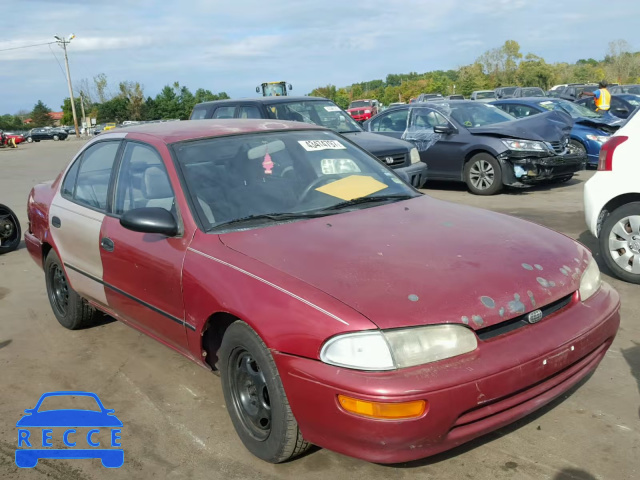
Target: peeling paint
(552,283)
(447,224)
(515,305)
(576,260)
(543,282)
(532,298)
(488,302)
(501,312)
(477,319)
(564,272)
(413,297)
(526,266)
(539,267)
(465,320)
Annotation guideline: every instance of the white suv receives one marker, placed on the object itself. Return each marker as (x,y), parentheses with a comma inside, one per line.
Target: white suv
(612,201)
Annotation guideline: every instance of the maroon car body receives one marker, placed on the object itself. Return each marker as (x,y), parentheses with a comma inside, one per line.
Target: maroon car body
(416,262)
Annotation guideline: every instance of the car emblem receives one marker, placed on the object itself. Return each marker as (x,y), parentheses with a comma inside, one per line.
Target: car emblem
(389,160)
(534,317)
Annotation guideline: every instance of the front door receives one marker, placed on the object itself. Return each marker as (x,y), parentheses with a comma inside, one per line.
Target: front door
(143,271)
(392,124)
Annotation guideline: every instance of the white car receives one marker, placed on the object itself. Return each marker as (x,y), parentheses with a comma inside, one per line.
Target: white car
(612,202)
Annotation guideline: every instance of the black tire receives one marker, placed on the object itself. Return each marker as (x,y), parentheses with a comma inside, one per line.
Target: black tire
(56,138)
(607,246)
(10,231)
(29,140)
(71,310)
(577,147)
(255,398)
(483,174)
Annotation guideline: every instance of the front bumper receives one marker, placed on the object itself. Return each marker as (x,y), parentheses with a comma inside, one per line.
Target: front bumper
(416,173)
(503,380)
(538,169)
(361,118)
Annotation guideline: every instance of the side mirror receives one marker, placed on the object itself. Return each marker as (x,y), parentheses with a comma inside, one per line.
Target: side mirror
(257,89)
(290,87)
(444,129)
(150,220)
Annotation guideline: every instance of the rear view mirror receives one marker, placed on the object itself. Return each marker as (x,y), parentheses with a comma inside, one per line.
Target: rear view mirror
(261,150)
(444,129)
(150,220)
(257,89)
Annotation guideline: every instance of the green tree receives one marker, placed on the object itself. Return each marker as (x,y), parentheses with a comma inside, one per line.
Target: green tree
(470,79)
(114,110)
(533,71)
(67,113)
(134,93)
(40,115)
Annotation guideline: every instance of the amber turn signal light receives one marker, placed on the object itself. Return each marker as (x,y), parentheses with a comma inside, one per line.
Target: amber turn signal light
(384,411)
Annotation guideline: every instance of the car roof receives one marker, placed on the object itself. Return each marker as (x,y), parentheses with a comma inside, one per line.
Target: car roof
(278,99)
(170,132)
(529,100)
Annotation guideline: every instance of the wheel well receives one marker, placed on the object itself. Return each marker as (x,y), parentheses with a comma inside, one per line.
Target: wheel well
(615,203)
(472,153)
(46,248)
(214,330)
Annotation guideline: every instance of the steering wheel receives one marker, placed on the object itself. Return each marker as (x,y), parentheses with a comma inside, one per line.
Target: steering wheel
(320,180)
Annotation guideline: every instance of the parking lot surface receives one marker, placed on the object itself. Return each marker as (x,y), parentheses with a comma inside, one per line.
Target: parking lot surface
(175,421)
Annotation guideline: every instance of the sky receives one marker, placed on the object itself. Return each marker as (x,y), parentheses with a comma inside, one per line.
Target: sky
(233,46)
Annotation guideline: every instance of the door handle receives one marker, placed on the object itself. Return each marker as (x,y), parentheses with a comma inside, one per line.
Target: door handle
(107,244)
(55,221)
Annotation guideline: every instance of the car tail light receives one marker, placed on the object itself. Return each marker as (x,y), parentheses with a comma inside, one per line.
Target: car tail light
(605,159)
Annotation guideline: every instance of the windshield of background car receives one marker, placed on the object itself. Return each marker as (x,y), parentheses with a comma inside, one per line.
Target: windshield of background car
(287,175)
(632,99)
(485,95)
(324,113)
(532,92)
(573,109)
(359,104)
(478,114)
(509,90)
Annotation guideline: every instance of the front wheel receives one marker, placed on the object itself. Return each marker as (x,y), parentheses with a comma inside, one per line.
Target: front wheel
(56,138)
(255,398)
(483,174)
(577,148)
(620,242)
(29,140)
(10,232)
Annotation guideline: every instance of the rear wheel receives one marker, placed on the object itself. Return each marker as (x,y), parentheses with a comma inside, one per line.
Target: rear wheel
(71,310)
(255,397)
(620,242)
(483,174)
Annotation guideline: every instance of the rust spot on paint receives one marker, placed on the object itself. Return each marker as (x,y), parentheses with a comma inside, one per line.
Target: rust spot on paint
(515,305)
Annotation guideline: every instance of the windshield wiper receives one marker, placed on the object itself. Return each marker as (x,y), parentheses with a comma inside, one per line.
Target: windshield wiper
(362,200)
(277,217)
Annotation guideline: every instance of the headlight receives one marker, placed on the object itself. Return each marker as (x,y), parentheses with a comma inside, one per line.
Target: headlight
(415,155)
(598,138)
(393,349)
(525,145)
(590,281)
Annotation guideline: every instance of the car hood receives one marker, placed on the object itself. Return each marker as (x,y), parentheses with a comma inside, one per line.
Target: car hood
(607,123)
(378,144)
(545,127)
(423,261)
(69,418)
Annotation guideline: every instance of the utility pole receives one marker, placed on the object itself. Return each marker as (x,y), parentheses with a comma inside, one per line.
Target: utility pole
(63,43)
(84,117)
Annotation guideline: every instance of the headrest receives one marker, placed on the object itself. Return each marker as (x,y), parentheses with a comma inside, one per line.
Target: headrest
(156,184)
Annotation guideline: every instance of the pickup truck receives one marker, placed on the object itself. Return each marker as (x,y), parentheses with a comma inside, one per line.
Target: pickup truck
(362,110)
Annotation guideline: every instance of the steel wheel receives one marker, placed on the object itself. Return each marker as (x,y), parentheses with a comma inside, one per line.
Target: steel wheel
(250,394)
(59,294)
(624,243)
(482,175)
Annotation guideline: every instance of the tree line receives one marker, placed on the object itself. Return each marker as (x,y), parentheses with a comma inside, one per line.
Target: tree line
(498,67)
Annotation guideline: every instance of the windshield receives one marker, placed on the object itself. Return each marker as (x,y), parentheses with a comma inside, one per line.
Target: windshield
(478,114)
(532,92)
(485,95)
(258,179)
(634,89)
(274,90)
(573,109)
(360,103)
(324,113)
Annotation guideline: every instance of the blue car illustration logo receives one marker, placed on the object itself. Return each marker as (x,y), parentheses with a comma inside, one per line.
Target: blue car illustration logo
(34,445)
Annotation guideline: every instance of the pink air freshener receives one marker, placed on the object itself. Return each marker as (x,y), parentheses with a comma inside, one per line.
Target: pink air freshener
(267,164)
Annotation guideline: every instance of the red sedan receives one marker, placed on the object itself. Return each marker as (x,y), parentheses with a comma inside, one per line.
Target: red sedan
(17,138)
(340,306)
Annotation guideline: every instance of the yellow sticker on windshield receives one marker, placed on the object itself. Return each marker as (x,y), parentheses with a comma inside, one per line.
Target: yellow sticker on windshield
(354,186)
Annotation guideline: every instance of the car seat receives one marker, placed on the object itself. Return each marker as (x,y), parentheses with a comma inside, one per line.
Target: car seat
(156,189)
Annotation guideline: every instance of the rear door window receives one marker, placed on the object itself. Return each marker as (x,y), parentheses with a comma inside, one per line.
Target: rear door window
(391,122)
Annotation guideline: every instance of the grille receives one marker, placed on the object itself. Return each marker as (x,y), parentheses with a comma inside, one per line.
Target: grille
(357,112)
(559,147)
(396,159)
(519,322)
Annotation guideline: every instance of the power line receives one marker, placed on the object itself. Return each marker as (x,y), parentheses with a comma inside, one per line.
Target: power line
(25,46)
(59,64)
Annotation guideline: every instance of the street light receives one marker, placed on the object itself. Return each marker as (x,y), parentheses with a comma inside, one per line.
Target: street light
(63,43)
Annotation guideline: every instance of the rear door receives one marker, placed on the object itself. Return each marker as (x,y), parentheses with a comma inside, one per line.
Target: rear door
(76,215)
(143,271)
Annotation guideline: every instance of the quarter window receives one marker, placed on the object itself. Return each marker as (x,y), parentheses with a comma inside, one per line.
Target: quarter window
(69,184)
(94,175)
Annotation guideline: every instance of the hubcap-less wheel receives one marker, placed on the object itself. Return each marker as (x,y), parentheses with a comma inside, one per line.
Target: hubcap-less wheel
(624,243)
(60,290)
(250,394)
(482,175)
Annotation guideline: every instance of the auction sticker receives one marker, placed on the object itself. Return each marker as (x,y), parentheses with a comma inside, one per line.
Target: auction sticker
(317,145)
(332,109)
